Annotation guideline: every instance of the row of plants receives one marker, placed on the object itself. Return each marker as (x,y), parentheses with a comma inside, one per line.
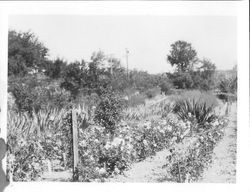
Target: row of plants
(108,145)
(103,155)
(189,158)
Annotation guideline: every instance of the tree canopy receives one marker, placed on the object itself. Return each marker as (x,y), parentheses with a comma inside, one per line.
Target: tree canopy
(182,55)
(25,53)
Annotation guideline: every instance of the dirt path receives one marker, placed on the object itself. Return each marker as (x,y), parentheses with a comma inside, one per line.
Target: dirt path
(149,170)
(223,168)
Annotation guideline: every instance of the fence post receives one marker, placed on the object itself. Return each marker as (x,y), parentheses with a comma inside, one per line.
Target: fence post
(75,145)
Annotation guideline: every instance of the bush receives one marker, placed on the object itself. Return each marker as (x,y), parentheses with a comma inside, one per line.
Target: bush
(181,80)
(190,158)
(151,93)
(166,88)
(109,111)
(102,156)
(29,98)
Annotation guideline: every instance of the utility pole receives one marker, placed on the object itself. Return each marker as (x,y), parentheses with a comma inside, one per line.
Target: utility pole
(127,52)
(111,61)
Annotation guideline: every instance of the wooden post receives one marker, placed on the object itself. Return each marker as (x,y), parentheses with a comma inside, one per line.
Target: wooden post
(75,145)
(179,173)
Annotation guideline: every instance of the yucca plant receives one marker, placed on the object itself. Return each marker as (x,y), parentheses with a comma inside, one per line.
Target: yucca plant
(196,107)
(202,112)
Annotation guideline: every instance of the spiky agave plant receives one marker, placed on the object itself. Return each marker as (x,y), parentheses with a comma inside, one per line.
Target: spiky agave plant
(195,110)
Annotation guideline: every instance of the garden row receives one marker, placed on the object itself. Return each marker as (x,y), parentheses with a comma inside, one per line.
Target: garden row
(105,151)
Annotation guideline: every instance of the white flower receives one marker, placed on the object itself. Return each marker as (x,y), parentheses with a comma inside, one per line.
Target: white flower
(108,145)
(117,170)
(82,143)
(147,125)
(158,127)
(22,143)
(129,147)
(174,138)
(102,171)
(164,122)
(188,124)
(145,142)
(162,131)
(117,141)
(169,128)
(186,132)
(91,158)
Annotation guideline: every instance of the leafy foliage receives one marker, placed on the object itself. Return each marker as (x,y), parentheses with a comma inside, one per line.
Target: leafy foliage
(25,53)
(54,69)
(182,55)
(32,95)
(197,107)
(109,112)
(74,78)
(188,159)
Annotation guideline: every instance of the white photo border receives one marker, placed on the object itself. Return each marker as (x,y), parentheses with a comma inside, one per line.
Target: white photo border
(171,8)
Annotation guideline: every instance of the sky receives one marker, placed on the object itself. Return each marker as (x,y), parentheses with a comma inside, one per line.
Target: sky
(148,38)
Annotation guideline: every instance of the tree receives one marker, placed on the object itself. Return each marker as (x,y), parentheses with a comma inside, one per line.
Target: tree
(25,53)
(207,69)
(98,75)
(203,78)
(54,69)
(182,55)
(74,78)
(181,80)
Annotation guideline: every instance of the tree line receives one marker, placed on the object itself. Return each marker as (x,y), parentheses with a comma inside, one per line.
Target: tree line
(36,81)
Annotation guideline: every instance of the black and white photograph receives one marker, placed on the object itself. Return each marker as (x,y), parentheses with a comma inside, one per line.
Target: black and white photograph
(136,98)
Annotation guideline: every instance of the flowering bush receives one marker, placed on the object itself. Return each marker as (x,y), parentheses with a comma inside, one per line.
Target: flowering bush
(188,159)
(103,154)
(25,159)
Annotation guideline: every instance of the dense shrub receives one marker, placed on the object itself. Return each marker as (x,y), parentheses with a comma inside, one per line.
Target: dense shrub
(181,80)
(151,93)
(166,87)
(109,111)
(34,96)
(74,78)
(54,69)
